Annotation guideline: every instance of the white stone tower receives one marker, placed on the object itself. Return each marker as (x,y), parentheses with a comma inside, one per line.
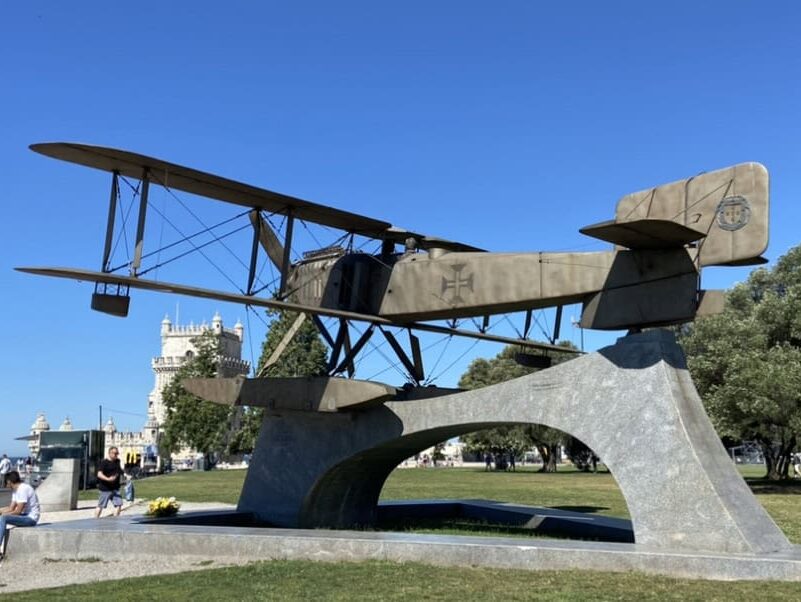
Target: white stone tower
(176,347)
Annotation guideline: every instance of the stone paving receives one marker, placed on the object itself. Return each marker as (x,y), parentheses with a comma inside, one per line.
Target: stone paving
(26,574)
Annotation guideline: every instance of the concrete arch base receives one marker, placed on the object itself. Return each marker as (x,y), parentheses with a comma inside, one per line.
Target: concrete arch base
(633,403)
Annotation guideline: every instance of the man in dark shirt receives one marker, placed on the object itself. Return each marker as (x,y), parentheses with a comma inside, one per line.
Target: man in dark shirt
(108,482)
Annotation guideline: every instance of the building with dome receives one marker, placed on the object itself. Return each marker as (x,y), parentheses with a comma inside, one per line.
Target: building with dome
(141,447)
(39,426)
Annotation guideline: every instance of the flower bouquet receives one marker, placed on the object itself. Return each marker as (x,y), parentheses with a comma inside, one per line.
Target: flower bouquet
(163,506)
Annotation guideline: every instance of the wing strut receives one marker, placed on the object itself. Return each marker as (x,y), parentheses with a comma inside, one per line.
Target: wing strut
(527,325)
(290,222)
(140,225)
(346,346)
(254,252)
(557,324)
(108,298)
(279,349)
(417,356)
(269,241)
(414,368)
(112,213)
(336,347)
(347,361)
(323,330)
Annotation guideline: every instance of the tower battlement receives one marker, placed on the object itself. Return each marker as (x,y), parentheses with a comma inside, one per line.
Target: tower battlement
(177,347)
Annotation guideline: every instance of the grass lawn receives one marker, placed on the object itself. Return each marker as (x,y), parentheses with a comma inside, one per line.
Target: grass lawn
(297,580)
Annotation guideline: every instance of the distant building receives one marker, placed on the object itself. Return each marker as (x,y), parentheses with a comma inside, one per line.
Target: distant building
(39,426)
(176,349)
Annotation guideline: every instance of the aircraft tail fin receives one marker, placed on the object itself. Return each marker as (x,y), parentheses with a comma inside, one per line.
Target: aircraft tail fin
(724,212)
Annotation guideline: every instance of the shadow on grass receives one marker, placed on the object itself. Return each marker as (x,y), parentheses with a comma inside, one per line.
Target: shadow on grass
(466,526)
(764,486)
(455,526)
(584,509)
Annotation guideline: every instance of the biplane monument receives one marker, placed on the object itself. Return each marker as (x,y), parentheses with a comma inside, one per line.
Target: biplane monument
(328,443)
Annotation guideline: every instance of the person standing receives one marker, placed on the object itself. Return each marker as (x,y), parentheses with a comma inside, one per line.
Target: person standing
(5,468)
(24,510)
(108,483)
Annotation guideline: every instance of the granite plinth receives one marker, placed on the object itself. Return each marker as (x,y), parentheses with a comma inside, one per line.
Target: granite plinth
(633,403)
(126,539)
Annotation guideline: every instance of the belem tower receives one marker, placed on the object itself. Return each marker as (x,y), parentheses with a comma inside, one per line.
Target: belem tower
(176,349)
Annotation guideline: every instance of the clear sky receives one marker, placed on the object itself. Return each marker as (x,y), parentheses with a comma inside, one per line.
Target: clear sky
(507,125)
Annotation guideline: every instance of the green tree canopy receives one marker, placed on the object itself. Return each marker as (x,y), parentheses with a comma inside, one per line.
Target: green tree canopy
(192,421)
(746,362)
(512,439)
(305,355)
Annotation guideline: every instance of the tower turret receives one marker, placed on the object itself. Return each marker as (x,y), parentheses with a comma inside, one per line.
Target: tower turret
(166,326)
(39,426)
(110,427)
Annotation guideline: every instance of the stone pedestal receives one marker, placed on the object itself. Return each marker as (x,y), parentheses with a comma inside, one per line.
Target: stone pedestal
(59,491)
(633,403)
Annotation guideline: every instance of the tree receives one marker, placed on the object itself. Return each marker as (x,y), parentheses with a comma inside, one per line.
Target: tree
(513,439)
(746,362)
(582,457)
(202,425)
(305,355)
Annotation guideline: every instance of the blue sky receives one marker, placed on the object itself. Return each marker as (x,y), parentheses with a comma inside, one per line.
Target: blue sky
(507,125)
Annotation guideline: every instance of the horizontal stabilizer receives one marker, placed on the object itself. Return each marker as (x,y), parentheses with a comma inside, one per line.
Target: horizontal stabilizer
(644,233)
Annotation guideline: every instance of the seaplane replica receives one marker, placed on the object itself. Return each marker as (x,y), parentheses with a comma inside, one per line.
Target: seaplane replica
(662,237)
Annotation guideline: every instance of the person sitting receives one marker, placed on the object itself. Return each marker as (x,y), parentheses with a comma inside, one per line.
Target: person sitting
(24,510)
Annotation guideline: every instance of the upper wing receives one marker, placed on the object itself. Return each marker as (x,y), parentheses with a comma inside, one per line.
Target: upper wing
(208,185)
(204,184)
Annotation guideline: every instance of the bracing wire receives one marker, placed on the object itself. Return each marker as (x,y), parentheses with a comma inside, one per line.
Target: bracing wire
(188,238)
(206,257)
(376,348)
(453,363)
(439,358)
(161,235)
(123,226)
(200,221)
(195,248)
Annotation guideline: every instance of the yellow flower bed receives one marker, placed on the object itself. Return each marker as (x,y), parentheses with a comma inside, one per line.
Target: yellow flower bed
(163,506)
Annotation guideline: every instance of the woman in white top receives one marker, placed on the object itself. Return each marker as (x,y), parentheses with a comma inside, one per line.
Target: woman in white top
(24,510)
